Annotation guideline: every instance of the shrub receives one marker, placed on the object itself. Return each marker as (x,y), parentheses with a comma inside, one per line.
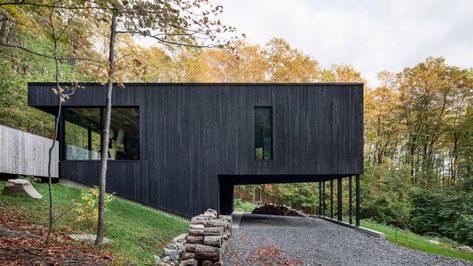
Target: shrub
(244,206)
(86,209)
(446,214)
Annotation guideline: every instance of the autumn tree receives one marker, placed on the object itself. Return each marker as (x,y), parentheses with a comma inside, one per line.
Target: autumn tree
(189,23)
(57,25)
(287,64)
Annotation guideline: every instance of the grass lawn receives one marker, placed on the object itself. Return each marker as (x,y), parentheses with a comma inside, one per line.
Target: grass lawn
(416,241)
(137,232)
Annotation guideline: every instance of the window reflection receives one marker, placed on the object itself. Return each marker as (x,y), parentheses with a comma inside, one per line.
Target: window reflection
(124,134)
(263,133)
(82,133)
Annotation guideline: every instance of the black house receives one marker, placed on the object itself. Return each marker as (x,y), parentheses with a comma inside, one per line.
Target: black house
(183,147)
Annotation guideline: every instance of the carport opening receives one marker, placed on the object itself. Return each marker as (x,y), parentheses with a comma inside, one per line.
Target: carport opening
(334,197)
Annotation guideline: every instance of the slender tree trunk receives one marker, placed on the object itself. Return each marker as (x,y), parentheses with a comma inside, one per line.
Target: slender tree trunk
(56,129)
(105,133)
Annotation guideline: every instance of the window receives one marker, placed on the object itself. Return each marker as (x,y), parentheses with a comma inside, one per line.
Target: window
(124,134)
(82,133)
(263,133)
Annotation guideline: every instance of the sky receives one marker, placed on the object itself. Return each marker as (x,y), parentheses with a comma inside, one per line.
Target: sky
(370,35)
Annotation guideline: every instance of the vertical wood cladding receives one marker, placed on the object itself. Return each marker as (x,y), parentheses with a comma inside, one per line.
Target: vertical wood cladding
(193,133)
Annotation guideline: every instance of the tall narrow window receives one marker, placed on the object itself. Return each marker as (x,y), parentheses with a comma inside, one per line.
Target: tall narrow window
(124,134)
(264,133)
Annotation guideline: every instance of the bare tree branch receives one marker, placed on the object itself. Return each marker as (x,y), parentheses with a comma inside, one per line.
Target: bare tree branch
(46,55)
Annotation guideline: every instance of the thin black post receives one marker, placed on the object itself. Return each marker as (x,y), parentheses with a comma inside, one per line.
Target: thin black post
(89,142)
(350,203)
(320,198)
(357,188)
(323,198)
(339,199)
(331,198)
(62,136)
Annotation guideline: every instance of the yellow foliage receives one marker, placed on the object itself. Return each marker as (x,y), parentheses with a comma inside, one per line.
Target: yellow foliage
(86,209)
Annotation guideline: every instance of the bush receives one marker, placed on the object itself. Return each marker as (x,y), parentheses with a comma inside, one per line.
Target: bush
(444,214)
(464,229)
(244,206)
(86,209)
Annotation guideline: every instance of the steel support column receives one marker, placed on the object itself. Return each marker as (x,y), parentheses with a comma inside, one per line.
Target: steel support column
(350,201)
(357,188)
(339,199)
(320,198)
(331,198)
(323,198)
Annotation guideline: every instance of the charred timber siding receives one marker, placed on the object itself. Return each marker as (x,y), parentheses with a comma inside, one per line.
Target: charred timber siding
(193,133)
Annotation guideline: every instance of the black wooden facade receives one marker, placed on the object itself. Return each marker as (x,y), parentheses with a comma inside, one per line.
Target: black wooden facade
(197,140)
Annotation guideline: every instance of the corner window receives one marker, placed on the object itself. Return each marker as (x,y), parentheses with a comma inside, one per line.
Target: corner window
(82,133)
(263,133)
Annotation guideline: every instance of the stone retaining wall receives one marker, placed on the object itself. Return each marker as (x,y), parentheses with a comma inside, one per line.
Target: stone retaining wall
(204,244)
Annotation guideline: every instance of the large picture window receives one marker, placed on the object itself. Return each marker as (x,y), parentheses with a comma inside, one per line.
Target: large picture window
(82,133)
(264,133)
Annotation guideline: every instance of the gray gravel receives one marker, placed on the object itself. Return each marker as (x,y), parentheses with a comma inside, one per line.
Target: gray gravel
(312,241)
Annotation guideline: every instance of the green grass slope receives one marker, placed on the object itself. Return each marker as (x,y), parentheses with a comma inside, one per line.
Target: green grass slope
(415,241)
(137,232)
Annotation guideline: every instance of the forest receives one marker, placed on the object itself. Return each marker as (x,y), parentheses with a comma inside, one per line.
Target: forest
(418,122)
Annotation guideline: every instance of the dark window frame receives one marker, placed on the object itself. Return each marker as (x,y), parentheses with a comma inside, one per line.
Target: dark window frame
(272,132)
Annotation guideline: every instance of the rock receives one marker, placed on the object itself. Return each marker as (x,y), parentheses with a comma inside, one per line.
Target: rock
(166,259)
(435,242)
(173,254)
(89,238)
(171,245)
(5,232)
(466,249)
(189,262)
(180,238)
(21,187)
(157,259)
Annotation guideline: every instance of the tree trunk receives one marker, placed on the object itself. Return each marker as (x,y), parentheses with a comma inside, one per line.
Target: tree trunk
(105,133)
(56,129)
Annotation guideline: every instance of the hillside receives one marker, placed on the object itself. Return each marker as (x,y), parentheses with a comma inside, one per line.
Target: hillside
(137,232)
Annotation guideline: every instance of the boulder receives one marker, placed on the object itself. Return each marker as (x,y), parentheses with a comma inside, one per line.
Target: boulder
(189,262)
(435,242)
(21,187)
(173,254)
(157,259)
(5,232)
(180,238)
(88,238)
(466,249)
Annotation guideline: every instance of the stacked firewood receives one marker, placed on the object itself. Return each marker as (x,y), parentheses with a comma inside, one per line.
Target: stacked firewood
(207,239)
(275,209)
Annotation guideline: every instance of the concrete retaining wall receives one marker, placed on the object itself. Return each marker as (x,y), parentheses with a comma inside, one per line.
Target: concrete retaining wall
(26,154)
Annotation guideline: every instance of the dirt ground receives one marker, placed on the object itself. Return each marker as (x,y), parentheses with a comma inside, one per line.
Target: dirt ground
(23,244)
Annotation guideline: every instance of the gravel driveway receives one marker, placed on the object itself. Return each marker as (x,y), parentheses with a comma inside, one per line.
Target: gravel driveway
(272,240)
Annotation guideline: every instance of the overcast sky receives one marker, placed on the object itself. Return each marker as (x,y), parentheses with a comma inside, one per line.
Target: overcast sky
(370,35)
